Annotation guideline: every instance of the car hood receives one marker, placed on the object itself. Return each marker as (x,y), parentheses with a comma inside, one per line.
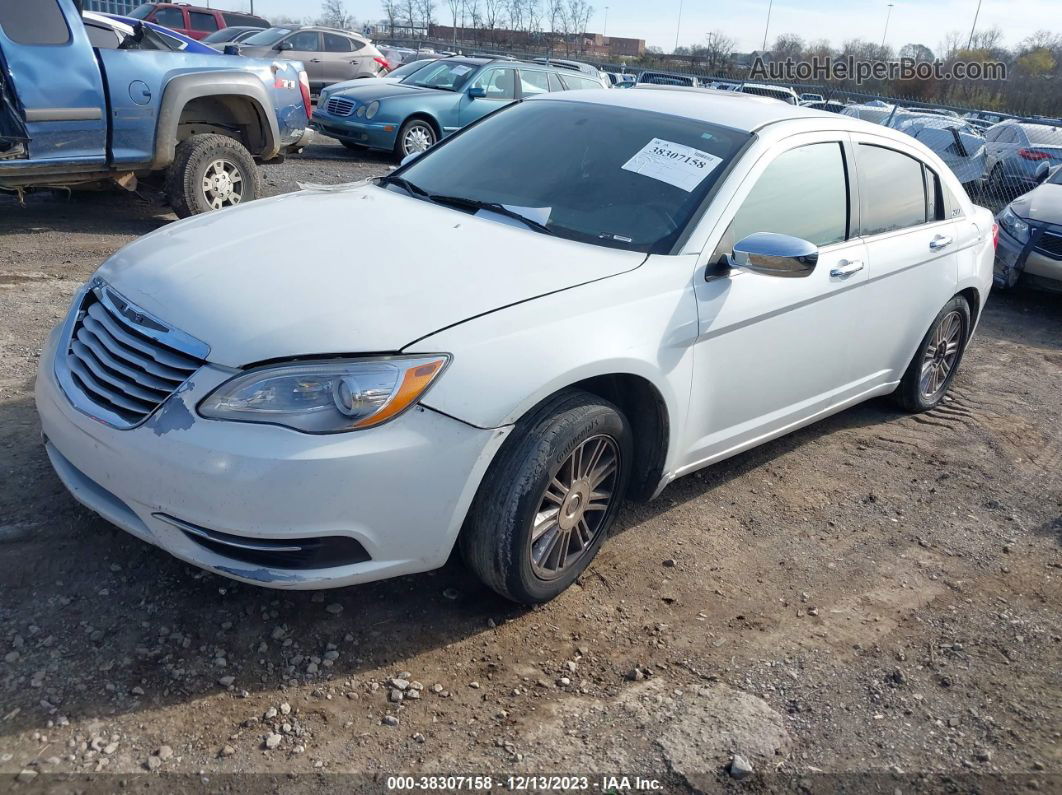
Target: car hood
(1043,204)
(360,269)
(392,88)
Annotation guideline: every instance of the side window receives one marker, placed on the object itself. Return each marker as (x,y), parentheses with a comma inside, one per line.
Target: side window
(498,83)
(101,37)
(555,83)
(334,43)
(892,190)
(203,21)
(169,18)
(803,193)
(532,83)
(304,41)
(39,22)
(235,20)
(576,82)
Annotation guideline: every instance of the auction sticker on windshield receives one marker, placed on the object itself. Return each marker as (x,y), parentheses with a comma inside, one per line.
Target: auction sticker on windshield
(676,164)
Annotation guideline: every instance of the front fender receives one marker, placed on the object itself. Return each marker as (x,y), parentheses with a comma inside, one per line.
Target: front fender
(642,322)
(182,89)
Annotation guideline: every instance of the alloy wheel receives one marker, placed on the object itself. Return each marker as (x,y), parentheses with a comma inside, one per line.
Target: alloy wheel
(574,507)
(222,184)
(418,138)
(940,356)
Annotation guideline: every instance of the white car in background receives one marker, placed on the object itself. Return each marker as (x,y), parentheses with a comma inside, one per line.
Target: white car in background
(584,296)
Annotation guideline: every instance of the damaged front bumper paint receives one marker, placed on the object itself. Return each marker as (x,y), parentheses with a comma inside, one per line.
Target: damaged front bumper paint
(400,490)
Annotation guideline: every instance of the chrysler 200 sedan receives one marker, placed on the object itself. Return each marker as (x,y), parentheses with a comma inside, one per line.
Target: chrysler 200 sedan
(585,296)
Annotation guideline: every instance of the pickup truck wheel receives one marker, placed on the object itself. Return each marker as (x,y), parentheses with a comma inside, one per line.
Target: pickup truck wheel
(211,172)
(549,497)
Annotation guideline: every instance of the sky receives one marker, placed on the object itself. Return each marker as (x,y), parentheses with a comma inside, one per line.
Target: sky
(912,21)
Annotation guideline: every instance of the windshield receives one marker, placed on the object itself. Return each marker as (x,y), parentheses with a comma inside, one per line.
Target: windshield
(448,74)
(1043,135)
(610,176)
(142,11)
(411,67)
(267,38)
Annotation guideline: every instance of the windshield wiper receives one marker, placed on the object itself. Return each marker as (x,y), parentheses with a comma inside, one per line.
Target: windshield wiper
(405,184)
(494,207)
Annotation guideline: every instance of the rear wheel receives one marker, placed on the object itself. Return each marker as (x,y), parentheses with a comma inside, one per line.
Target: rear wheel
(416,136)
(211,172)
(546,505)
(937,359)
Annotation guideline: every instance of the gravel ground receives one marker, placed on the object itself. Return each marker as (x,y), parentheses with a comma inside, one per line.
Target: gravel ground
(870,604)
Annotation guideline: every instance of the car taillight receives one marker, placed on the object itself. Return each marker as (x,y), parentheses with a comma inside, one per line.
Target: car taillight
(1033,154)
(383,62)
(995,235)
(304,87)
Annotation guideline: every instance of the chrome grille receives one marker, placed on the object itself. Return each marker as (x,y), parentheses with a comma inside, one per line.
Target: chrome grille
(338,106)
(1051,245)
(116,365)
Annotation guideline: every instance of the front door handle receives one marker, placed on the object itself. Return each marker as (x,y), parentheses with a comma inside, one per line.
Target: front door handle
(939,242)
(846,268)
(315,60)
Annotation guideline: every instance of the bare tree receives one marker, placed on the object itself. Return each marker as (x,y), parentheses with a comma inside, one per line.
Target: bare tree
(392,10)
(455,9)
(492,15)
(475,14)
(719,52)
(409,8)
(516,14)
(427,14)
(334,15)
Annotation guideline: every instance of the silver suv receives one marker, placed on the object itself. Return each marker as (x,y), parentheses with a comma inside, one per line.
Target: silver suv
(329,55)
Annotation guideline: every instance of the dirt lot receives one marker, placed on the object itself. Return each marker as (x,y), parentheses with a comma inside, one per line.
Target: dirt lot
(876,596)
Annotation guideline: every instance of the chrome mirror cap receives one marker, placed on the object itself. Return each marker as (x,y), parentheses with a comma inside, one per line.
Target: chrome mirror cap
(775,255)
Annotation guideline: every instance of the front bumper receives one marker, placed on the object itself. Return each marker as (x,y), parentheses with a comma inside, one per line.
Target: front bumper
(374,135)
(1014,258)
(400,490)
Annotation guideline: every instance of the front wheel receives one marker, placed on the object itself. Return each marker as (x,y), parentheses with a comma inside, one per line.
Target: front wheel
(211,172)
(549,498)
(416,136)
(937,359)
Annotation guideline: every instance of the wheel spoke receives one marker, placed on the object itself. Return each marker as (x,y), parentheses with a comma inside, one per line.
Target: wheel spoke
(601,474)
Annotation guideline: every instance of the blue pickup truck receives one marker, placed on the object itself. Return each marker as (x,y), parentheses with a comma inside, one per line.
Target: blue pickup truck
(77,115)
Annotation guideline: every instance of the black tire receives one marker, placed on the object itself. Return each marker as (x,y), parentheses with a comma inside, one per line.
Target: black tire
(192,159)
(911,394)
(496,541)
(421,125)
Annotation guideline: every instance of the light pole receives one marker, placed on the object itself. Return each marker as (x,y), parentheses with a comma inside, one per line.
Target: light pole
(886,33)
(977,13)
(604,31)
(678,25)
(767,27)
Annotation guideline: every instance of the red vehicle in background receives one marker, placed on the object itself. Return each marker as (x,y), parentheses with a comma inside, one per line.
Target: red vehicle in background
(194,21)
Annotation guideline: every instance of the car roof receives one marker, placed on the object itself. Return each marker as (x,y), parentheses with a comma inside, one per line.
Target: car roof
(738,111)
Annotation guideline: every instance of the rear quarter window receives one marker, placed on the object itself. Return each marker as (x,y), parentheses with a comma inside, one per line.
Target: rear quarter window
(243,20)
(38,22)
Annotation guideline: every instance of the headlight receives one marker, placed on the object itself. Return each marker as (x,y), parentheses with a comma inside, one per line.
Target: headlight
(1017,228)
(370,111)
(325,397)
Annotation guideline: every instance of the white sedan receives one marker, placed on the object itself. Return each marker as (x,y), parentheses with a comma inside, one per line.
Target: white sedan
(570,303)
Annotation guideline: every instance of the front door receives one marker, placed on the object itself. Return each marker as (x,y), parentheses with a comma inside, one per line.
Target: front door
(498,87)
(774,353)
(55,76)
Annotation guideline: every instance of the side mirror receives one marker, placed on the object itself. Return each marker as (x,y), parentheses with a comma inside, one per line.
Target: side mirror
(1042,171)
(775,255)
(231,49)
(477,92)
(284,45)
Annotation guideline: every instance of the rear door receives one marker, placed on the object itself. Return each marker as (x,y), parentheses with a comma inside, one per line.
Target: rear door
(912,255)
(340,61)
(56,78)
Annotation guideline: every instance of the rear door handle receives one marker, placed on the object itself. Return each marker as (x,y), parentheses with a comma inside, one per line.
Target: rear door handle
(846,268)
(939,242)
(315,60)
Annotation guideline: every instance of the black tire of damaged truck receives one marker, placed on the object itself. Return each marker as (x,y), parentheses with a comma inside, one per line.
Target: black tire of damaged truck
(210,172)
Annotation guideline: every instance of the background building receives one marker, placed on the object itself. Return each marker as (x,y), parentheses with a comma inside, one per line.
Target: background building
(122,7)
